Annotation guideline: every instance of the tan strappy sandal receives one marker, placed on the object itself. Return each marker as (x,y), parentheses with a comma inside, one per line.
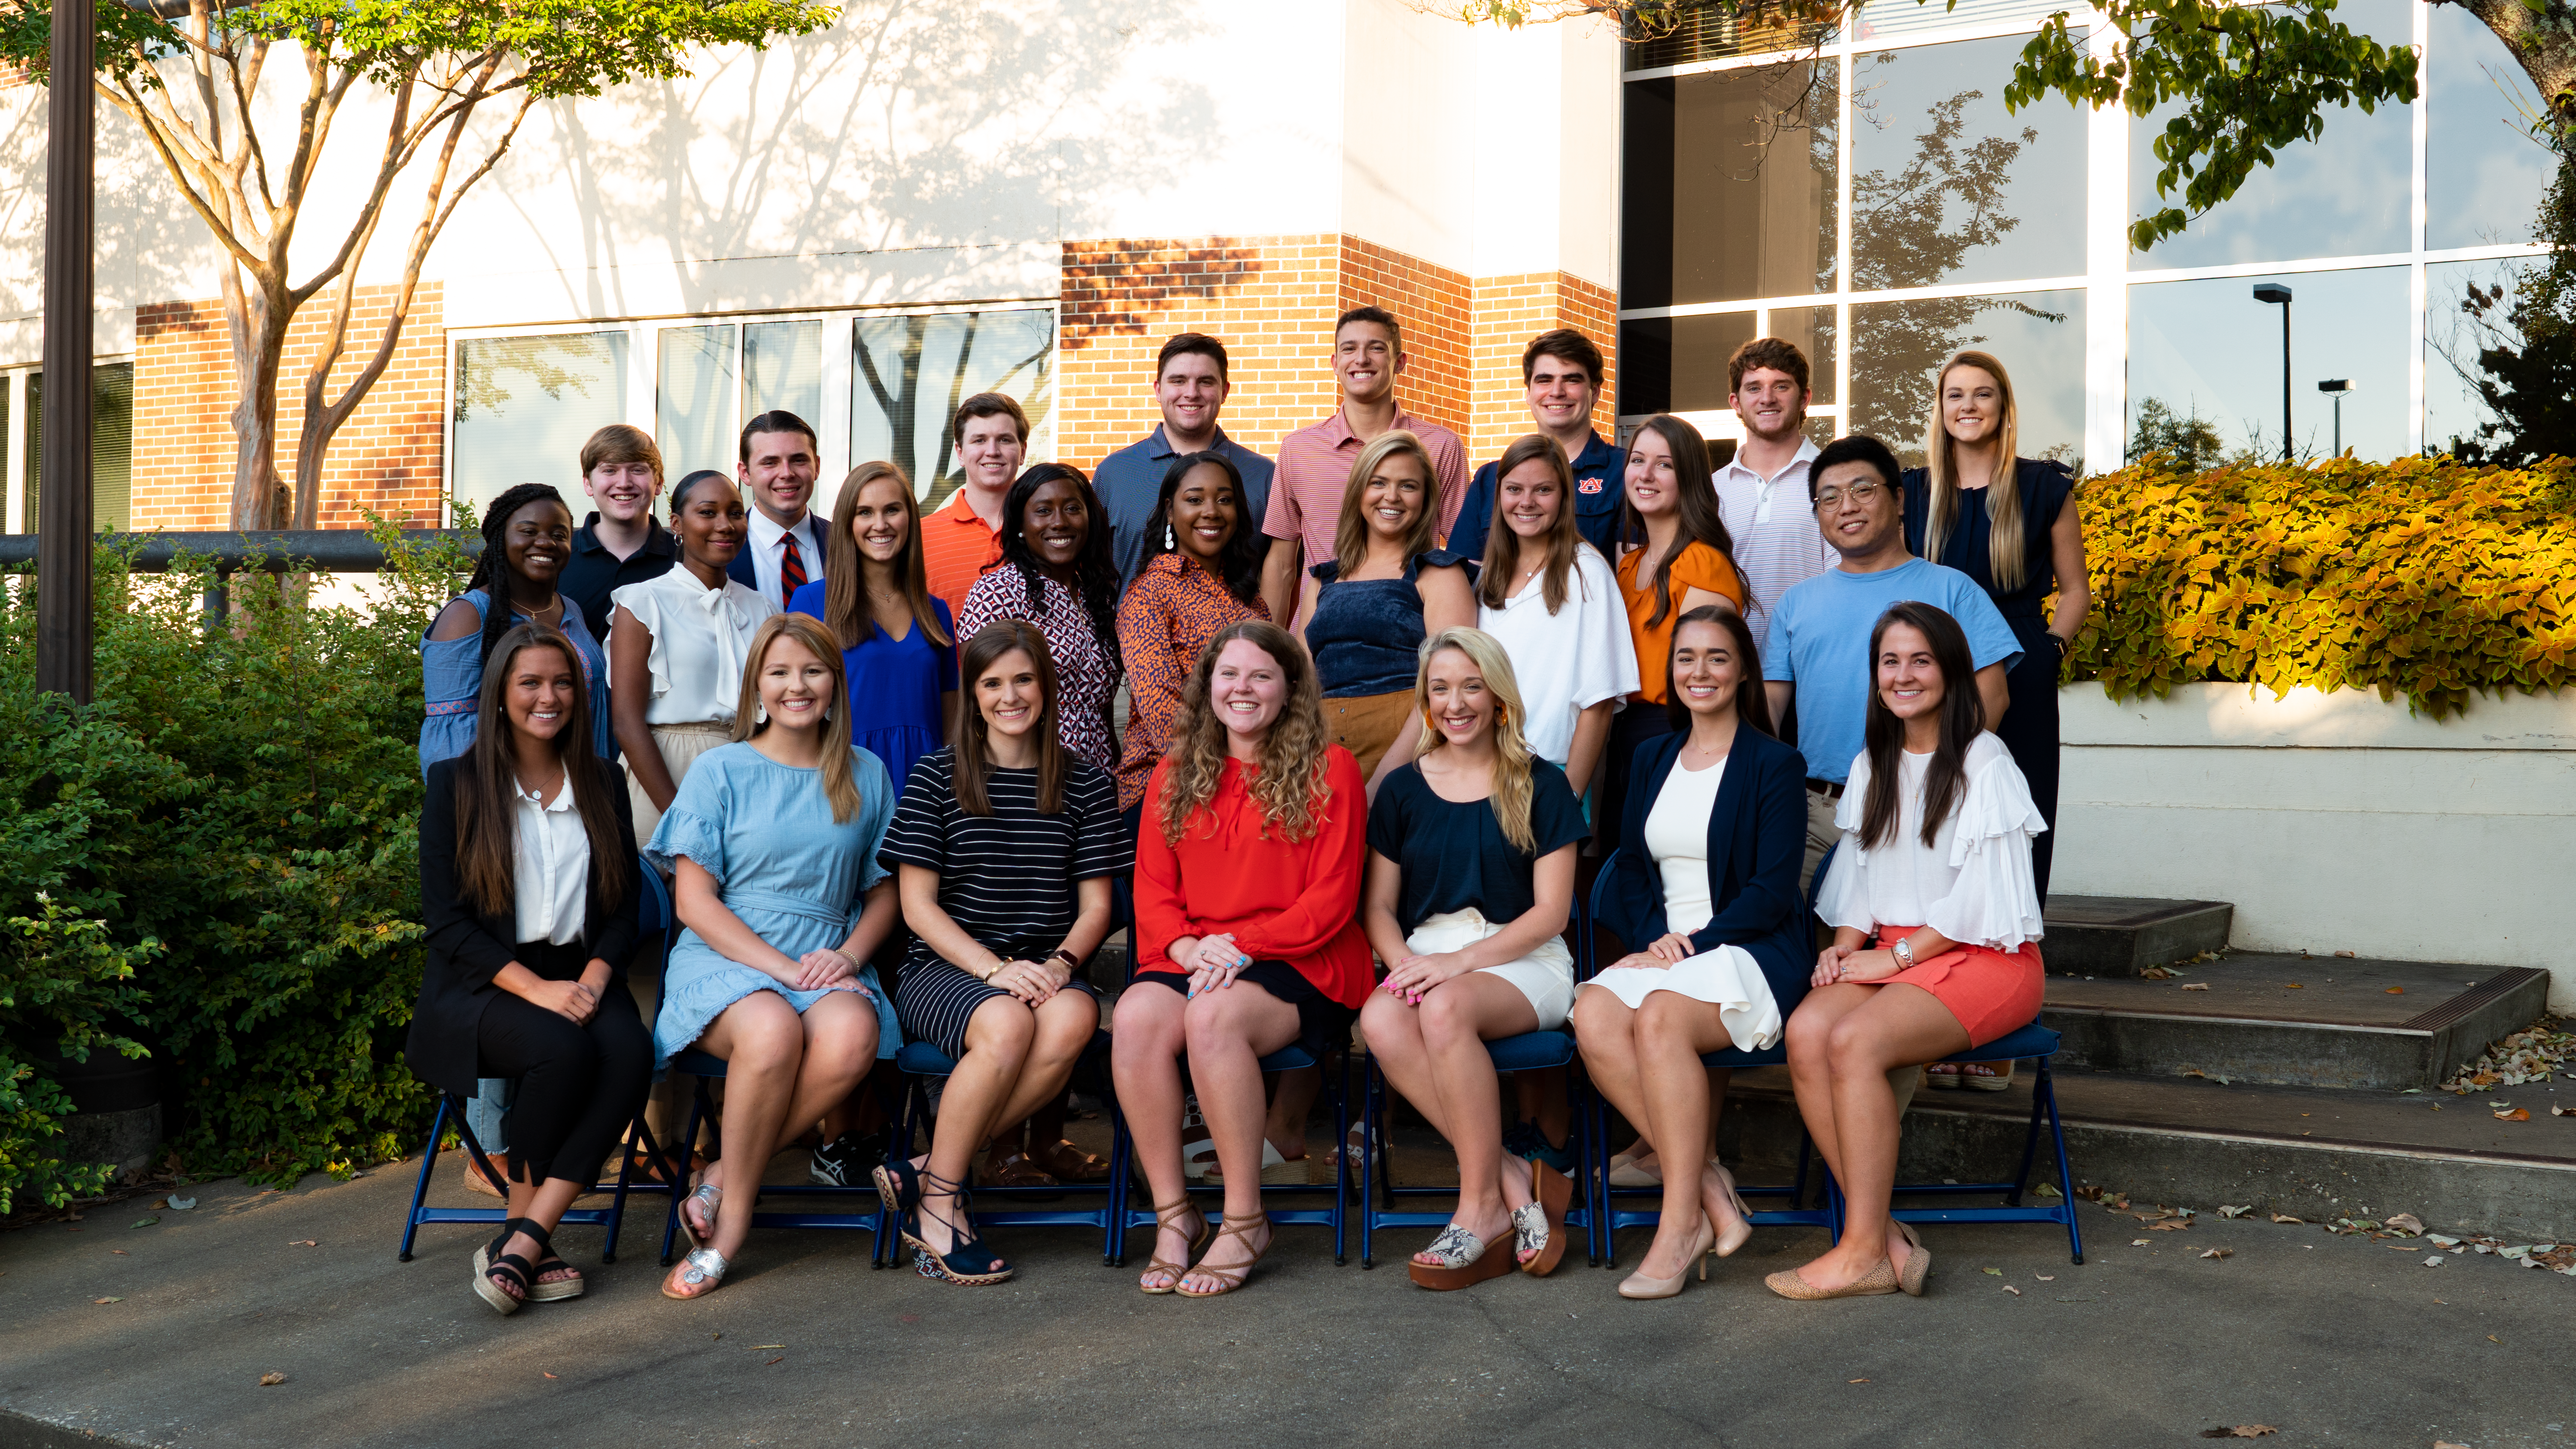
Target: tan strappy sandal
(1166,1216)
(1229,1279)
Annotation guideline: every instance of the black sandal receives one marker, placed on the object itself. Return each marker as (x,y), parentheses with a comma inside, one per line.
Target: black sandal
(498,1274)
(968,1262)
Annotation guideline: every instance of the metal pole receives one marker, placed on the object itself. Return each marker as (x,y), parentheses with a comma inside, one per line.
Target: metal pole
(2288,453)
(2338,425)
(63,519)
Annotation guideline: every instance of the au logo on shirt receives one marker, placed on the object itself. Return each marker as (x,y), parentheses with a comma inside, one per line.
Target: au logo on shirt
(1588,485)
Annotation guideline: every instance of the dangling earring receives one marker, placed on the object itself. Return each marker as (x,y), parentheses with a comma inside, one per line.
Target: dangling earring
(760,713)
(1170,540)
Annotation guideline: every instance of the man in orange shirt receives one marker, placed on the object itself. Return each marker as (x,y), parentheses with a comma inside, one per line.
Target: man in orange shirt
(1315,461)
(964,537)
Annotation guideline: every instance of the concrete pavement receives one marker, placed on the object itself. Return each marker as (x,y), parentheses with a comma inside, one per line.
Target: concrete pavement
(2330,1340)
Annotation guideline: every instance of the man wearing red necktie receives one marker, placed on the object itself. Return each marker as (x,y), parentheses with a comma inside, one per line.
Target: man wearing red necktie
(777,472)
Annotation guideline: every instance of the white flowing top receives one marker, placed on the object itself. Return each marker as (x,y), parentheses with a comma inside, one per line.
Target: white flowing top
(1677,837)
(550,860)
(701,636)
(1570,660)
(1972,884)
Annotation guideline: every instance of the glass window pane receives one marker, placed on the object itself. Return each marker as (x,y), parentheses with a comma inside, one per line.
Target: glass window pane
(1811,329)
(2468,310)
(111,447)
(11,445)
(2345,194)
(1947,186)
(2209,350)
(782,368)
(693,421)
(35,444)
(2488,172)
(1730,185)
(525,405)
(909,374)
(1898,347)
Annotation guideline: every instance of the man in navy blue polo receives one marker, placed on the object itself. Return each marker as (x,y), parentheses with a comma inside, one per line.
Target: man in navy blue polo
(1190,386)
(1562,370)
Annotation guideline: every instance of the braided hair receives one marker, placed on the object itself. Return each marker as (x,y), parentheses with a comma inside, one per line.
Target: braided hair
(1095,569)
(491,571)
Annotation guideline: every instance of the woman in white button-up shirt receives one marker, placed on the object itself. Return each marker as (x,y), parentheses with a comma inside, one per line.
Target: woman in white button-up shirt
(528,889)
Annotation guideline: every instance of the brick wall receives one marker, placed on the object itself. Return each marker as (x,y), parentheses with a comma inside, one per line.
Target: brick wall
(385,458)
(1272,300)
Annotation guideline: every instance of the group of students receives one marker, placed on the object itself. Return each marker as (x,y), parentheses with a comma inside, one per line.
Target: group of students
(1350,793)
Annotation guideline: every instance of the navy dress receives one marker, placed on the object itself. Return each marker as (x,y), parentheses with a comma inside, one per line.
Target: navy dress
(2029,728)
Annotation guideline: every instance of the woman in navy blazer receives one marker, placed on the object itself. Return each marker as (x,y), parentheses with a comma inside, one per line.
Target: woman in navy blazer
(1705,884)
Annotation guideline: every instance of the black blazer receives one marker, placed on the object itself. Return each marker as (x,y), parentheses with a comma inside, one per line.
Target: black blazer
(467,950)
(741,571)
(1757,843)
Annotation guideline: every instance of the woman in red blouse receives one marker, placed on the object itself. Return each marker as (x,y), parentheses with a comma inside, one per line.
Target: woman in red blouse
(1248,876)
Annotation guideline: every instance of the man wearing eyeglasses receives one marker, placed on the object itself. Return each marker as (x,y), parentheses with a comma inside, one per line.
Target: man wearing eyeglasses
(1818,652)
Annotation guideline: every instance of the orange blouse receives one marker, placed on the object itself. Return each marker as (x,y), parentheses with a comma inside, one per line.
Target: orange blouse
(1698,567)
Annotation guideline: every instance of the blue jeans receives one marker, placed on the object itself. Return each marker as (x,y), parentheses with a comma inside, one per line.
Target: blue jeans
(487,1112)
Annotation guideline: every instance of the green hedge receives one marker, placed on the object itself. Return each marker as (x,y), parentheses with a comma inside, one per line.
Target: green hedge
(2424,577)
(242,807)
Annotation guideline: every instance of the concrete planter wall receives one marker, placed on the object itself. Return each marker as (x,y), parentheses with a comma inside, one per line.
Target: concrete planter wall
(2334,822)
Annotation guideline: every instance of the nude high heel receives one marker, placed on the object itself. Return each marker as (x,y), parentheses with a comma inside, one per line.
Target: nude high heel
(1641,1286)
(1742,1233)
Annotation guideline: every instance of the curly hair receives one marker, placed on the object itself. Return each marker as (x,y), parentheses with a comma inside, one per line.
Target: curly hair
(1290,787)
(492,569)
(1512,786)
(1095,569)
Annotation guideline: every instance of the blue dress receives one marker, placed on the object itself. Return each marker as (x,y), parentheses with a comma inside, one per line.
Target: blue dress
(895,685)
(783,866)
(451,678)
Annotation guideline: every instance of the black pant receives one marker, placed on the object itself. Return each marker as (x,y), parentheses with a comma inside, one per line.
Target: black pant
(2029,731)
(578,1085)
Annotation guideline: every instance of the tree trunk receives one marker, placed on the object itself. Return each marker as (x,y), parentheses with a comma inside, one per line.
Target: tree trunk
(2544,46)
(258,329)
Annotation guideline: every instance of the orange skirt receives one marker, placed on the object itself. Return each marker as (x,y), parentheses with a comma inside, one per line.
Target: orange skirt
(1992,993)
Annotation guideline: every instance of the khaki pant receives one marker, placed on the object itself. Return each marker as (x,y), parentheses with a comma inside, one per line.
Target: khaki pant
(1821,835)
(1367,725)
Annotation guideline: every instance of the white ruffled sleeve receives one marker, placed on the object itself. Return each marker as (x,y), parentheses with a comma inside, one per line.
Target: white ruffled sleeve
(1995,902)
(644,602)
(1606,661)
(1843,900)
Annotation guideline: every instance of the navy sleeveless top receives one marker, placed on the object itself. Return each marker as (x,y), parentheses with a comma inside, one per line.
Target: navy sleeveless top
(1367,634)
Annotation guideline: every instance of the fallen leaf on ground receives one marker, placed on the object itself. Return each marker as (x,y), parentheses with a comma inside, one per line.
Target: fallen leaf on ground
(302,1243)
(270,1381)
(2346,955)
(1997,1272)
(120,1252)
(2286,1218)
(143,1222)
(2241,1431)
(107,1300)
(2404,1223)
(2518,1114)
(2197,986)
(542,1371)
(2140,1242)
(2225,1211)
(782,1358)
(2168,1227)
(2562,1111)
(2219,1253)
(2045,1277)
(2447,1444)
(2397,991)
(2008,1288)
(2294,985)
(2491,1338)
(1855,1381)
(757,1347)
(2090,1192)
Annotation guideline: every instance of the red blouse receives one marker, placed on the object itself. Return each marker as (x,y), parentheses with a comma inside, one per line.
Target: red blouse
(1284,900)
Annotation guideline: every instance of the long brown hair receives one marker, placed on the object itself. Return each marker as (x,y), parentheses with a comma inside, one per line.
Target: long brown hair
(2003,490)
(1511,784)
(1752,701)
(1695,507)
(840,783)
(1290,788)
(1963,718)
(487,780)
(850,621)
(1503,546)
(1351,535)
(974,745)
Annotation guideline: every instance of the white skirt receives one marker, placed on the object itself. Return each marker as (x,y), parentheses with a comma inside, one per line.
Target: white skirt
(1545,975)
(1726,978)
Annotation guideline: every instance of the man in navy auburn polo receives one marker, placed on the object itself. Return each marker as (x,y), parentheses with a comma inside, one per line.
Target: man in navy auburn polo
(1562,370)
(1190,386)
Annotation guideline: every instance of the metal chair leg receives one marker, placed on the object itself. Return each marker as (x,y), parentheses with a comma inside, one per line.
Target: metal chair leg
(420,1189)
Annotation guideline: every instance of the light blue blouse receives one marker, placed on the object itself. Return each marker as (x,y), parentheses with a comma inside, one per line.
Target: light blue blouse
(451,678)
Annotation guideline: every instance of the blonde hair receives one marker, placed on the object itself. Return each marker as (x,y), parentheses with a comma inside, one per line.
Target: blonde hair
(1290,788)
(1350,536)
(839,783)
(2003,491)
(1511,784)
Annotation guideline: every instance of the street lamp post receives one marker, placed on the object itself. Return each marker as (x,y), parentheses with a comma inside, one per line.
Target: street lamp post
(63,518)
(2277,293)
(2338,388)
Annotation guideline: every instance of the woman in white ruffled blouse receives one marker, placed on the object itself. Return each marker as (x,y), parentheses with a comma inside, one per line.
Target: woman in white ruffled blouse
(676,645)
(1934,865)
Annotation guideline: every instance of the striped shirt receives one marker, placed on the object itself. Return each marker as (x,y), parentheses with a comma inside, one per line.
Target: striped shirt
(1773,528)
(1315,472)
(1007,877)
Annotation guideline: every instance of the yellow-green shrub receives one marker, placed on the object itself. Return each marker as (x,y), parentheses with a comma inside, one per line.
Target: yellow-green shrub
(2422,577)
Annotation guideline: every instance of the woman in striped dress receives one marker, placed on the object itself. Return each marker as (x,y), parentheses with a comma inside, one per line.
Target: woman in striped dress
(1005,843)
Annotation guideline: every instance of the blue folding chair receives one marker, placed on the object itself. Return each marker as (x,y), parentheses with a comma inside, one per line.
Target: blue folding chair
(2037,1043)
(923,1063)
(1288,1059)
(710,1068)
(1612,1218)
(655,909)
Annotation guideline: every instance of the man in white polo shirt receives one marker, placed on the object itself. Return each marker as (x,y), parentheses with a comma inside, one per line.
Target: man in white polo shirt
(1762,490)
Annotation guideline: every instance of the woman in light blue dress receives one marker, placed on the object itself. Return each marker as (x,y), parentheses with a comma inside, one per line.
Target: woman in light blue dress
(773,841)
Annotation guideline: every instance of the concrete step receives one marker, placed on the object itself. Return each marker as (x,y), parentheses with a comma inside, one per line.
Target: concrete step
(2124,935)
(2294,1020)
(2311,1153)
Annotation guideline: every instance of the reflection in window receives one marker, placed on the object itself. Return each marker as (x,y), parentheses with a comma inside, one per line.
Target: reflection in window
(693,420)
(909,374)
(782,368)
(525,405)
(2488,171)
(2474,359)
(1949,187)
(1730,189)
(111,446)
(2345,194)
(2208,350)
(1898,347)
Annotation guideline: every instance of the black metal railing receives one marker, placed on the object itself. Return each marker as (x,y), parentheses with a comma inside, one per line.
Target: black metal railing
(276,551)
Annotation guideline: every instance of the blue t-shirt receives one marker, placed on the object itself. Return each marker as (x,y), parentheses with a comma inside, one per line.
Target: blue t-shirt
(1820,642)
